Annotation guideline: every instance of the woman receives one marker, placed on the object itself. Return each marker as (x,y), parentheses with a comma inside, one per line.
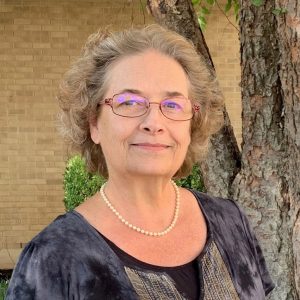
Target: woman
(140,105)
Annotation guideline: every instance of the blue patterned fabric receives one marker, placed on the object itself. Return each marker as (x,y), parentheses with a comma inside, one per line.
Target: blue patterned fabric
(70,260)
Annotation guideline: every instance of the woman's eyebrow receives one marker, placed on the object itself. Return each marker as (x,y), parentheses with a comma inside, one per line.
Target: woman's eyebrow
(138,92)
(174,94)
(131,91)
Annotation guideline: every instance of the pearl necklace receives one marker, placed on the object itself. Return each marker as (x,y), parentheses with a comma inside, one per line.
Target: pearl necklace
(138,229)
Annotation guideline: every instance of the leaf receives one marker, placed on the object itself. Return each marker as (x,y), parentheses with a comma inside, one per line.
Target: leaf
(202,22)
(236,9)
(205,10)
(228,6)
(211,2)
(279,11)
(195,2)
(276,11)
(257,2)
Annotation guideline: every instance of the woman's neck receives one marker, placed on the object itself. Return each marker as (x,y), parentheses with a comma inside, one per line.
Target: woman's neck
(143,200)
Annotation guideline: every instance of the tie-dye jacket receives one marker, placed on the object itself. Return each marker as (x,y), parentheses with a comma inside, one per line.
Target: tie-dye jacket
(70,260)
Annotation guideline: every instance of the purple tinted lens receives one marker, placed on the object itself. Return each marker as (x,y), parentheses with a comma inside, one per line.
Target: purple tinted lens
(172,105)
(129,105)
(129,99)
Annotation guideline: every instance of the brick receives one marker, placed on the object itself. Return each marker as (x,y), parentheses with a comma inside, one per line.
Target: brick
(32,27)
(6,57)
(51,28)
(6,8)
(52,76)
(37,228)
(6,45)
(41,81)
(58,34)
(20,21)
(12,28)
(24,69)
(60,21)
(51,52)
(41,45)
(24,57)
(24,81)
(11,233)
(40,21)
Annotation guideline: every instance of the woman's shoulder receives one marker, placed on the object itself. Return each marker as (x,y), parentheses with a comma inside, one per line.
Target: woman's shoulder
(66,228)
(216,207)
(56,241)
(65,239)
(67,253)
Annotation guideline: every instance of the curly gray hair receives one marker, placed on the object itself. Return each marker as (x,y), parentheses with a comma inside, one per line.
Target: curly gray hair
(85,83)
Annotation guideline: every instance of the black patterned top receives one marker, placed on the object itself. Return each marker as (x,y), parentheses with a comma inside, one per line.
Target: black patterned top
(179,282)
(70,260)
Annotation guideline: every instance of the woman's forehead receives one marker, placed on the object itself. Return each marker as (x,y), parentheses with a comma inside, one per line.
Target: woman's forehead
(149,72)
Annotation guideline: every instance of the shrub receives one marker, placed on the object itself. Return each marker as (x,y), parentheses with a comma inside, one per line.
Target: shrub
(193,181)
(79,184)
(3,287)
(5,276)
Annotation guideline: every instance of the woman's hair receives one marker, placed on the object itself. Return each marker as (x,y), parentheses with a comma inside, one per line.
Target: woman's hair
(86,83)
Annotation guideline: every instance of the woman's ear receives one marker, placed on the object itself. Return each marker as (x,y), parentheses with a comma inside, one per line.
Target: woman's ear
(94,130)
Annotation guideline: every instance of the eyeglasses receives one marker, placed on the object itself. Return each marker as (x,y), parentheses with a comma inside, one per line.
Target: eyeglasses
(176,108)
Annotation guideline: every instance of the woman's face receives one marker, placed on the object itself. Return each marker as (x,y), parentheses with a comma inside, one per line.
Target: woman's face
(149,145)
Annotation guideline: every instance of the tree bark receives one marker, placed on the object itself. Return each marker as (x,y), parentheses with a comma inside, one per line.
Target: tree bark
(289,72)
(268,183)
(180,16)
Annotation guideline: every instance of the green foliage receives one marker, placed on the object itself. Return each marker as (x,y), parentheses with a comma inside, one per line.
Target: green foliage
(279,11)
(203,8)
(202,22)
(257,2)
(228,6)
(193,181)
(236,9)
(79,184)
(3,288)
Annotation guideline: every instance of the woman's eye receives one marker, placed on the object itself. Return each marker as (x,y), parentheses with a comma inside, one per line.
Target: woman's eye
(132,102)
(128,100)
(128,103)
(172,105)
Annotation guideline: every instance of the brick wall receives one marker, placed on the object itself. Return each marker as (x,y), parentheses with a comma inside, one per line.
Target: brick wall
(38,40)
(223,41)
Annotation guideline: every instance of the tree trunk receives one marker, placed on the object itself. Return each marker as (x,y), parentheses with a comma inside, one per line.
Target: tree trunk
(268,183)
(289,72)
(180,16)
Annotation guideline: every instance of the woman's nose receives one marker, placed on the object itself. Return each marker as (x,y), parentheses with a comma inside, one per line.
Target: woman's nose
(152,121)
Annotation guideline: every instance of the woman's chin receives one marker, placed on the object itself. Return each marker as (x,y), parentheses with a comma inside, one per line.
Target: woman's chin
(151,170)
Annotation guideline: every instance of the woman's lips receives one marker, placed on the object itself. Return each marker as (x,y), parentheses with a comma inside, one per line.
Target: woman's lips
(150,146)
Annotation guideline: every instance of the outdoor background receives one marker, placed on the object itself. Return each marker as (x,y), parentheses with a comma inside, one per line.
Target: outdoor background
(38,41)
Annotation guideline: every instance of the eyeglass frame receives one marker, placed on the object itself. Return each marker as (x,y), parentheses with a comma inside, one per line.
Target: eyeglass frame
(109,102)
